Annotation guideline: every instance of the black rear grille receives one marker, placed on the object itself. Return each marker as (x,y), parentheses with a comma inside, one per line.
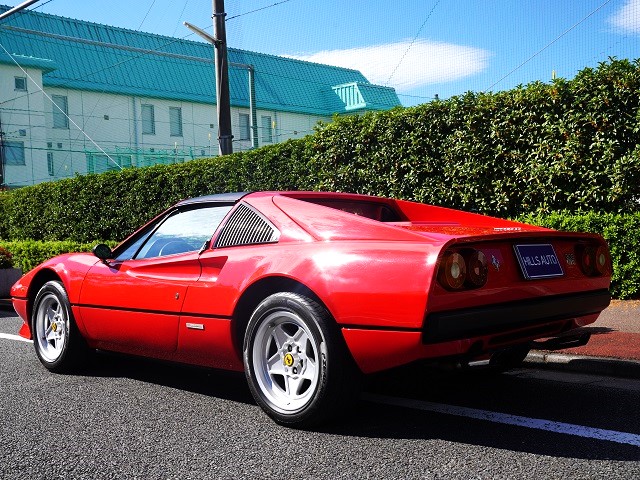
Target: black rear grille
(246,227)
(502,318)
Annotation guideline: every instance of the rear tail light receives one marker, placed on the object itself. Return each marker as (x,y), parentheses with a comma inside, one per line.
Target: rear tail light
(602,260)
(467,268)
(453,271)
(594,260)
(477,268)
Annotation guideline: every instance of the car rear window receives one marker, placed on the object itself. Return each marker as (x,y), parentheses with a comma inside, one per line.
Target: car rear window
(372,210)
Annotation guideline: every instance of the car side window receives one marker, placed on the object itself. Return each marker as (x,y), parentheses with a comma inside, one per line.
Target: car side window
(181,232)
(135,244)
(184,231)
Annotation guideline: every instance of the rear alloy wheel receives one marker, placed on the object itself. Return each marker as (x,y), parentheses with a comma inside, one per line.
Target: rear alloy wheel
(296,362)
(57,341)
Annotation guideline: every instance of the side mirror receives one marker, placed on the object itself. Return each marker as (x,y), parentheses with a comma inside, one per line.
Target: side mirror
(103,252)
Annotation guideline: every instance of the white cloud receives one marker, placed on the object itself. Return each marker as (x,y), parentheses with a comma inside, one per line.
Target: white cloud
(426,62)
(627,18)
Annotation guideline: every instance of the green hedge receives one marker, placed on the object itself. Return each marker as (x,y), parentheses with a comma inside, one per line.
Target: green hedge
(114,204)
(622,232)
(4,214)
(29,253)
(570,145)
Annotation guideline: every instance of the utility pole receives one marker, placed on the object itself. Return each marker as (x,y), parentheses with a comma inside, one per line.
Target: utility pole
(225,136)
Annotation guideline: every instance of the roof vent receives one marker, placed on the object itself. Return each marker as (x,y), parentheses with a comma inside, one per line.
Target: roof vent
(246,227)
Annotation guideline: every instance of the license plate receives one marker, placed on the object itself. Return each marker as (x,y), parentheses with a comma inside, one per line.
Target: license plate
(538,261)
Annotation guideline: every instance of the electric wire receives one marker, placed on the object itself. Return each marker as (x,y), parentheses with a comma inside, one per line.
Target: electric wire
(412,42)
(54,103)
(257,9)
(547,45)
(146,14)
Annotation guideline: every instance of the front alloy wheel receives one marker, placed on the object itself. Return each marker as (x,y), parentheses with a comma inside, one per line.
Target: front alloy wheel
(56,339)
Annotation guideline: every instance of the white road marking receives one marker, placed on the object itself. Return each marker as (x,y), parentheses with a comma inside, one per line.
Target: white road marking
(496,417)
(8,336)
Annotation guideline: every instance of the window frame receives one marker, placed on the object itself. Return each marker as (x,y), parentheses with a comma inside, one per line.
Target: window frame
(150,109)
(244,130)
(60,114)
(10,145)
(175,122)
(15,84)
(266,127)
(50,164)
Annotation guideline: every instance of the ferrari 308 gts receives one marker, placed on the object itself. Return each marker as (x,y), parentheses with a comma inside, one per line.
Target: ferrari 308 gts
(306,291)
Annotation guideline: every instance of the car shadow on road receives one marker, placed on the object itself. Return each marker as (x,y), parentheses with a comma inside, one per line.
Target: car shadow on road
(7,312)
(368,419)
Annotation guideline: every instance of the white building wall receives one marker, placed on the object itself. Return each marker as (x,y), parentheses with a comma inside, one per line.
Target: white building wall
(22,118)
(113,123)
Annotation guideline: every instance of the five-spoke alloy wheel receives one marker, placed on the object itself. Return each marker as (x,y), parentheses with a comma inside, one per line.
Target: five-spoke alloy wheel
(295,361)
(57,342)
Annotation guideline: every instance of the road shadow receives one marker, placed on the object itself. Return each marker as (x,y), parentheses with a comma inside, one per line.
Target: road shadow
(7,311)
(474,389)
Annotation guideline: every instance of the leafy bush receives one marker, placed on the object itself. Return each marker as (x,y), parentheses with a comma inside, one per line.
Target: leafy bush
(114,204)
(5,210)
(6,258)
(27,254)
(622,232)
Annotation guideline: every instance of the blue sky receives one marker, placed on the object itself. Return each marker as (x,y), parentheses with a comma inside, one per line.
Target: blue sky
(419,47)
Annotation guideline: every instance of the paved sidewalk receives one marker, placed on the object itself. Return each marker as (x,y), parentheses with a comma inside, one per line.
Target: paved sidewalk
(614,347)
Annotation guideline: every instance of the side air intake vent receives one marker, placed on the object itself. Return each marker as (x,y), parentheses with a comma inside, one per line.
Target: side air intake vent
(246,227)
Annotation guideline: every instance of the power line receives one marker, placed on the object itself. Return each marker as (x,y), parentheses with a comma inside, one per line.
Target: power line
(146,14)
(51,100)
(258,9)
(548,45)
(180,18)
(412,42)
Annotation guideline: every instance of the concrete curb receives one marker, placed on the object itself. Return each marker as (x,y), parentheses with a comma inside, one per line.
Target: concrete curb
(614,367)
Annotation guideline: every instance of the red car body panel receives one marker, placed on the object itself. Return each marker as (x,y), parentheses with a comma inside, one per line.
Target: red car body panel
(378,280)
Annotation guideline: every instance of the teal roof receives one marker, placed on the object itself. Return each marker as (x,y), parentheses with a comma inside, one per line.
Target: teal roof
(90,56)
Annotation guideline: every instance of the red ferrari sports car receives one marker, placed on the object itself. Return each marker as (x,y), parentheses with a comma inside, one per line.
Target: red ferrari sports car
(305,291)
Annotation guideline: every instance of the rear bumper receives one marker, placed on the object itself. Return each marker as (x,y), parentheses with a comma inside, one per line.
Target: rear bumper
(474,332)
(494,319)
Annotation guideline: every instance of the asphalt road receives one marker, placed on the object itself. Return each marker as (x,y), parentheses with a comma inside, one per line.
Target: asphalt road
(133,418)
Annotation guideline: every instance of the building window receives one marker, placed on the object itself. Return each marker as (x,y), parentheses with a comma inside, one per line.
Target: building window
(175,121)
(267,135)
(244,126)
(20,83)
(148,120)
(50,164)
(60,111)
(13,153)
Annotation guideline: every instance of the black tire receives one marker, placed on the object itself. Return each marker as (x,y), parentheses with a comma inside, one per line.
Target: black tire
(296,362)
(57,341)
